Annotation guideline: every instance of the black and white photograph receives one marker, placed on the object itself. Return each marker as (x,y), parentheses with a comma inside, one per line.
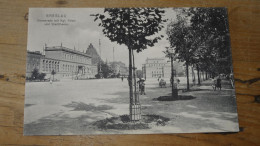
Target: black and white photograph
(95,71)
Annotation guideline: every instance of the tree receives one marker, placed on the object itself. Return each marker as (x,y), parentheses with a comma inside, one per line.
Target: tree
(133,27)
(211,25)
(35,74)
(106,70)
(182,39)
(118,75)
(170,54)
(42,76)
(200,38)
(139,74)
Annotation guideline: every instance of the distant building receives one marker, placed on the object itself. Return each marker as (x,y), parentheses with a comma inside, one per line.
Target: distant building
(95,58)
(64,61)
(33,61)
(119,67)
(160,68)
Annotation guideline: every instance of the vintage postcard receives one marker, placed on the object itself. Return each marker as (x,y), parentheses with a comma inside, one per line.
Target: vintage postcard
(129,71)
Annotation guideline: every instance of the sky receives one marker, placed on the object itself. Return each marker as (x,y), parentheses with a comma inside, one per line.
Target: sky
(78,29)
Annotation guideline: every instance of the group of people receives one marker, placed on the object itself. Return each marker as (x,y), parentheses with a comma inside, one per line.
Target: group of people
(216,83)
(140,83)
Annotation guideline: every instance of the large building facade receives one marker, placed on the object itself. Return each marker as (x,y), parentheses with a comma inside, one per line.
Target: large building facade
(160,68)
(65,62)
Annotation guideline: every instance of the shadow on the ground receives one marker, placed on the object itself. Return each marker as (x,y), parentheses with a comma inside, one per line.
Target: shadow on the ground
(170,98)
(80,106)
(124,123)
(28,105)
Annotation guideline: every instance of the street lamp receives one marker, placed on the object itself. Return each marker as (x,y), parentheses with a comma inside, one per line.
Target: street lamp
(174,86)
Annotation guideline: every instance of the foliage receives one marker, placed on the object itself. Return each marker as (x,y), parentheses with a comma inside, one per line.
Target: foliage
(200,37)
(98,76)
(132,26)
(41,76)
(36,75)
(118,75)
(139,74)
(106,70)
(211,27)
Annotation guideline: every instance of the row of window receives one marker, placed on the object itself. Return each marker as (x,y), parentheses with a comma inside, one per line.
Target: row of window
(156,64)
(32,66)
(50,65)
(154,72)
(150,61)
(69,68)
(157,75)
(76,58)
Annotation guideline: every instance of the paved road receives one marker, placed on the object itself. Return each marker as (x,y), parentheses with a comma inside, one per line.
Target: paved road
(44,99)
(66,107)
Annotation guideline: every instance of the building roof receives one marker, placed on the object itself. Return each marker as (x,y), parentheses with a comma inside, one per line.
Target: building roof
(91,51)
(34,52)
(61,48)
(161,58)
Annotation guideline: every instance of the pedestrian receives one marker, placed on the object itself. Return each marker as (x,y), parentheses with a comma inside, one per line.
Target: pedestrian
(122,78)
(214,83)
(141,85)
(178,83)
(218,85)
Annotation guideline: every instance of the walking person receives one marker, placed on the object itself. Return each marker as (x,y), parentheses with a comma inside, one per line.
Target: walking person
(214,83)
(178,83)
(141,85)
(218,85)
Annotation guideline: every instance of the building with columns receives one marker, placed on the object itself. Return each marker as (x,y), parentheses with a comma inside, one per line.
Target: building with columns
(66,62)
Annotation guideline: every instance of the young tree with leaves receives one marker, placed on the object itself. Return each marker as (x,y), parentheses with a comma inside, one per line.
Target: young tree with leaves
(182,39)
(133,27)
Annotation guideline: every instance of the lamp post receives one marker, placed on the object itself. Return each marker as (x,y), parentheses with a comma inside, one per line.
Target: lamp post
(174,87)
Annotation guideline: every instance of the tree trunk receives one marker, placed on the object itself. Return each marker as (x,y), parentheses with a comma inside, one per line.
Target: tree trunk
(174,88)
(135,106)
(198,72)
(193,76)
(187,73)
(130,82)
(134,76)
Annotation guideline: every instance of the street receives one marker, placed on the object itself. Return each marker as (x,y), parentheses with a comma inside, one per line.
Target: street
(69,106)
